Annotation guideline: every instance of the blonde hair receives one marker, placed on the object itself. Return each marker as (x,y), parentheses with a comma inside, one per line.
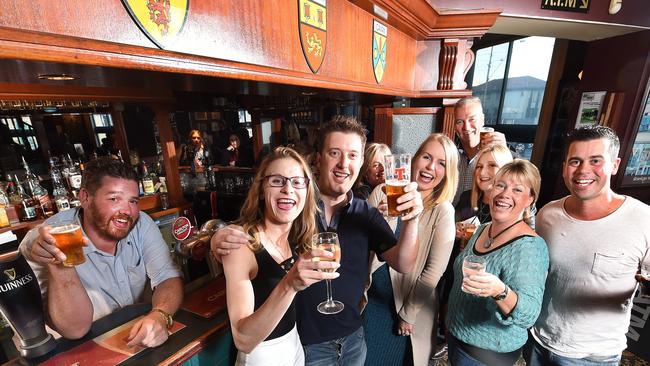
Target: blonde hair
(252,212)
(502,156)
(371,150)
(446,189)
(526,172)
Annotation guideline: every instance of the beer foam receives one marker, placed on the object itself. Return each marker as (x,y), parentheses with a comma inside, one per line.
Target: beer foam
(64,229)
(397,183)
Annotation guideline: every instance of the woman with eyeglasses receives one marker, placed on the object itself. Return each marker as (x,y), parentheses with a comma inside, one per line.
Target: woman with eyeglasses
(263,279)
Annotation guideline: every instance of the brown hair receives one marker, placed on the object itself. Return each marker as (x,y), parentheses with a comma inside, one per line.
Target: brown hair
(502,155)
(446,189)
(345,124)
(105,166)
(526,172)
(252,212)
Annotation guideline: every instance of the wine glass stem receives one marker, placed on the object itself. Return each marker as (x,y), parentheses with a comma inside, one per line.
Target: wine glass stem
(329,290)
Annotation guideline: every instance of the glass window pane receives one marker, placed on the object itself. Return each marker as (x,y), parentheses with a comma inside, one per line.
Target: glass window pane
(531,59)
(27,121)
(489,70)
(17,140)
(101,136)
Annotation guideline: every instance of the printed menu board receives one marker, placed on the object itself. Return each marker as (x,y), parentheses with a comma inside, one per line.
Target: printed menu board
(637,171)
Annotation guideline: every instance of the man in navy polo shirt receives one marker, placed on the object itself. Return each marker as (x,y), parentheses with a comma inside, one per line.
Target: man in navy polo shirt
(338,339)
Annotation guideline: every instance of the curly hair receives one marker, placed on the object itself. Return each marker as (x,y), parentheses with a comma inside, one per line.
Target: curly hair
(105,166)
(252,212)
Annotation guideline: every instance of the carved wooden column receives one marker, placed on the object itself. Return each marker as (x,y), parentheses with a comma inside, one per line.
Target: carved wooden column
(454,61)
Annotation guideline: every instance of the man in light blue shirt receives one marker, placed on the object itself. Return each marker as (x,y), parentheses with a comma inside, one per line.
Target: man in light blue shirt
(124,252)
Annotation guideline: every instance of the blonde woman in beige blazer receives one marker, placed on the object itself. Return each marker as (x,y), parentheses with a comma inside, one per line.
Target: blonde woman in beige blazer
(434,168)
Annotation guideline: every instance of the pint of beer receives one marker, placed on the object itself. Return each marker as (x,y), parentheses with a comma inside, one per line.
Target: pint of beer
(69,239)
(484,133)
(397,169)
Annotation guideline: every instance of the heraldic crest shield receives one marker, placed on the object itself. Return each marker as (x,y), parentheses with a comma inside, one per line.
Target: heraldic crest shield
(160,20)
(313,31)
(379,35)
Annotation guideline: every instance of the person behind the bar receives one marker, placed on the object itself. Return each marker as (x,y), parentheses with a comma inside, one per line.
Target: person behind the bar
(597,240)
(196,153)
(404,305)
(339,339)
(262,280)
(124,251)
(491,310)
(372,170)
(469,119)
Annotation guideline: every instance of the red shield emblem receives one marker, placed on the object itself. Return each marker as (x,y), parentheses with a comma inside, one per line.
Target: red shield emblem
(312,26)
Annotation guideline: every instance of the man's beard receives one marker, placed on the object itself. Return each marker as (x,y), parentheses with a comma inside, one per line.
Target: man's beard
(103,224)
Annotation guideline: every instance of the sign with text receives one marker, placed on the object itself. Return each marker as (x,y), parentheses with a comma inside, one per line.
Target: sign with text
(579,6)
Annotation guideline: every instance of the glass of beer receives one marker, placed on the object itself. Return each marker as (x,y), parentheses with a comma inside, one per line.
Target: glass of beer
(69,239)
(397,169)
(484,133)
(330,242)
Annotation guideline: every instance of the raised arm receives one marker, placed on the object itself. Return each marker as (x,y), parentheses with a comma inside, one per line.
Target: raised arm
(249,327)
(402,256)
(68,308)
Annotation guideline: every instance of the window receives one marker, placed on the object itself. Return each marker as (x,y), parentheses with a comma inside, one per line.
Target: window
(510,79)
(517,98)
(245,119)
(103,126)
(22,131)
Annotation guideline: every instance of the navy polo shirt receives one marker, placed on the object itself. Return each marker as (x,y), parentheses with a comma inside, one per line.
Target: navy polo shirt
(361,228)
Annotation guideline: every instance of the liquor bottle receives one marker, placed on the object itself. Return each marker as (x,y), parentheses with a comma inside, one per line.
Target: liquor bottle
(38,206)
(25,205)
(12,190)
(74,174)
(4,202)
(60,193)
(36,190)
(74,199)
(148,180)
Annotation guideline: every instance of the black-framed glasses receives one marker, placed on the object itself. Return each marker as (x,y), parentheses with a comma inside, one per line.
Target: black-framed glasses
(277,180)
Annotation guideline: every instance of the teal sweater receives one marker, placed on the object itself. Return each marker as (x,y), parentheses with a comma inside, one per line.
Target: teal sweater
(522,265)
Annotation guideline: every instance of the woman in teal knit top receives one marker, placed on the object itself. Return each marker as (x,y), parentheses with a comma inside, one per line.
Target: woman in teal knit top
(490,311)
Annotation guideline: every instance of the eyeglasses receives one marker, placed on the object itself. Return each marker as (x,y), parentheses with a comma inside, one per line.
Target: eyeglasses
(277,180)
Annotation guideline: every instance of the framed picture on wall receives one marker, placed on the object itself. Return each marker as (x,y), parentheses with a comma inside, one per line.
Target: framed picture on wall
(637,169)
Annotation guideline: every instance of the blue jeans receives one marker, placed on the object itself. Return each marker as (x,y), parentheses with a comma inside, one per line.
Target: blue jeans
(536,355)
(349,351)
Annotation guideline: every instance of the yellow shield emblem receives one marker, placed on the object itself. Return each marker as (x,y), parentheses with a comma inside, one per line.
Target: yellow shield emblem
(379,36)
(313,31)
(10,273)
(160,20)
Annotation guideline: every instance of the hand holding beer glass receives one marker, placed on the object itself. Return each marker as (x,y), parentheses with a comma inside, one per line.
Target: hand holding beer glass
(68,238)
(472,264)
(397,169)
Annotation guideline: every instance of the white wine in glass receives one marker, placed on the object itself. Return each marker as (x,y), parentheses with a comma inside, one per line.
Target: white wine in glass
(330,242)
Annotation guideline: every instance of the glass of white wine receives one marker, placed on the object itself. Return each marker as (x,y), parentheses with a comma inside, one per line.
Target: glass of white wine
(330,242)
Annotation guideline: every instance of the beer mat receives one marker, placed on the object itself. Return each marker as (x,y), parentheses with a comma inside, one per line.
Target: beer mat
(207,301)
(107,349)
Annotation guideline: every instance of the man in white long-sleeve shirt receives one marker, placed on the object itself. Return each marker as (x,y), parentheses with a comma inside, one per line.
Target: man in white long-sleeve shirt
(596,240)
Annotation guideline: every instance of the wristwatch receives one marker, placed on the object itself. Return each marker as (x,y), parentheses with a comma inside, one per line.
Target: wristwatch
(502,295)
(169,321)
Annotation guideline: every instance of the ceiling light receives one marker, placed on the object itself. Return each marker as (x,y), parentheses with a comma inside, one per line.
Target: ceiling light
(56,77)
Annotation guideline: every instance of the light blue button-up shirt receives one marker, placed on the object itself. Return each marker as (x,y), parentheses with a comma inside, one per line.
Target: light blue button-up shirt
(141,262)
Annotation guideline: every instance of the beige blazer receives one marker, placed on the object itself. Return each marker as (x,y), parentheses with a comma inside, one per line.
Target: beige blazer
(415,292)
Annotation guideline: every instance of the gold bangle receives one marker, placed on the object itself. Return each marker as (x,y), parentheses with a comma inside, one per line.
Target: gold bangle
(169,321)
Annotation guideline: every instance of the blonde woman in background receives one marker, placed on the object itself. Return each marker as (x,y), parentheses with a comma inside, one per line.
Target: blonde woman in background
(402,307)
(372,170)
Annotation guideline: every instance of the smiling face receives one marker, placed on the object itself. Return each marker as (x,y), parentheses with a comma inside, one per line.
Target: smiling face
(509,197)
(283,204)
(468,122)
(375,173)
(486,169)
(588,169)
(428,167)
(113,208)
(339,162)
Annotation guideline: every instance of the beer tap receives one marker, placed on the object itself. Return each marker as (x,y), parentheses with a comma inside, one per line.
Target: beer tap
(194,243)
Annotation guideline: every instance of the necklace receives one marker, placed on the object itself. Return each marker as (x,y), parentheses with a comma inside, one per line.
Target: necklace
(490,239)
